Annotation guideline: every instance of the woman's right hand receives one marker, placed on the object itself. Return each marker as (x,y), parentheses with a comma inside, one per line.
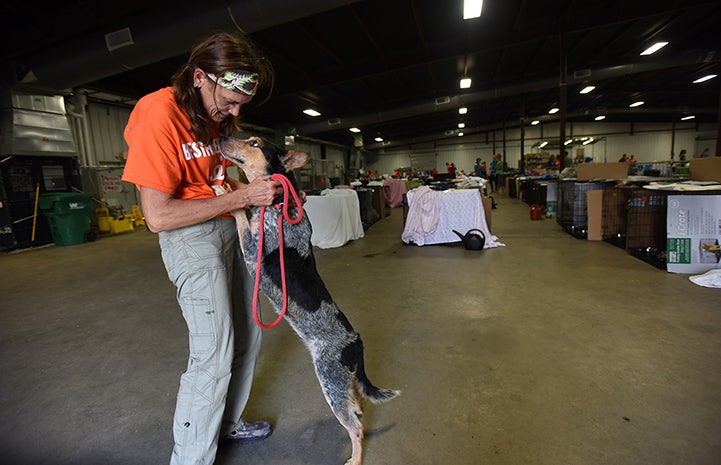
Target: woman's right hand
(261,191)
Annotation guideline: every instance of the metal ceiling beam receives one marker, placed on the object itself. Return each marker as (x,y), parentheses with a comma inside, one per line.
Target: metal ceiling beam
(456,101)
(498,126)
(87,58)
(622,16)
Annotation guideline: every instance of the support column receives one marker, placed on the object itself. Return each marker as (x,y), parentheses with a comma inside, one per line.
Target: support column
(673,139)
(562,87)
(718,128)
(522,163)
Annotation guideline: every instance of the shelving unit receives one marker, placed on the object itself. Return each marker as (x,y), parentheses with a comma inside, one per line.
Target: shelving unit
(537,163)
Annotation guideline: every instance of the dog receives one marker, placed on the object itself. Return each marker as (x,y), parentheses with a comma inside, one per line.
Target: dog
(336,348)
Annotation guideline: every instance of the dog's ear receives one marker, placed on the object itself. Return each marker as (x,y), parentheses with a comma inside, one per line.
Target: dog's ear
(294,159)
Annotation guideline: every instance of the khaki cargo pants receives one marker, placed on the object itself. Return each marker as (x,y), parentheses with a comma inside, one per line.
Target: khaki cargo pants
(214,291)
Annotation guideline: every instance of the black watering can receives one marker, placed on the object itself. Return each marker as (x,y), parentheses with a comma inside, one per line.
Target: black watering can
(473,240)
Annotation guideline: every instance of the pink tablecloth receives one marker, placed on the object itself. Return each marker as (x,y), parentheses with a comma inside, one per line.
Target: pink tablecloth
(394,189)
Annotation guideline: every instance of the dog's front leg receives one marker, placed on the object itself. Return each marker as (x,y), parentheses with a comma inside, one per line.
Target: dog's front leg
(243,225)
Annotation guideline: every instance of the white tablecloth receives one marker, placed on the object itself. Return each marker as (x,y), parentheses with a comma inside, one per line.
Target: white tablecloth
(435,214)
(334,216)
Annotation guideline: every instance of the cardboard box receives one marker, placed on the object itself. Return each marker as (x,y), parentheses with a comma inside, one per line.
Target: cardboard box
(694,233)
(487,208)
(588,171)
(594,207)
(706,169)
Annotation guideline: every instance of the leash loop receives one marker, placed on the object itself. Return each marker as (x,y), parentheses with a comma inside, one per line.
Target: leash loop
(287,192)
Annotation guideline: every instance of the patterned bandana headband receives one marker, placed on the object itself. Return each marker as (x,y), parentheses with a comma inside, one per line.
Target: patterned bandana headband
(239,81)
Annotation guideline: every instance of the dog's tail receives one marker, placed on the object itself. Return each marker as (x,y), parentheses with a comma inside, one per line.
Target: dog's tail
(370,391)
(377,395)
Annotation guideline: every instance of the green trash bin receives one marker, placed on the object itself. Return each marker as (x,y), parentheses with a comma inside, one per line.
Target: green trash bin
(68,214)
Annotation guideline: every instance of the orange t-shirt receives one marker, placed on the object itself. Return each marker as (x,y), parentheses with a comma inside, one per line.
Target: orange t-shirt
(164,154)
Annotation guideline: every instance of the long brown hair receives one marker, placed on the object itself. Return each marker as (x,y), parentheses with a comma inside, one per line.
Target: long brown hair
(217,53)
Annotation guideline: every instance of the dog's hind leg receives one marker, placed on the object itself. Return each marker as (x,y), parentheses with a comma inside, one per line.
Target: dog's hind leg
(344,400)
(347,414)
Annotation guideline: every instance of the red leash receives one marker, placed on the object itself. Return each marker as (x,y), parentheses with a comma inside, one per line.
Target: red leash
(287,190)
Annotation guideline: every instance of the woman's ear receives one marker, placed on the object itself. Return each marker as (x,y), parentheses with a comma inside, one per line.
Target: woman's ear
(198,78)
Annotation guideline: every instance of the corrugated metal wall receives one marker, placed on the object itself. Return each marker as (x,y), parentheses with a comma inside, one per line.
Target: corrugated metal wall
(106,124)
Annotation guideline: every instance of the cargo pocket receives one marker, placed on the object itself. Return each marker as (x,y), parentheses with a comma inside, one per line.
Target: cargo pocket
(201,326)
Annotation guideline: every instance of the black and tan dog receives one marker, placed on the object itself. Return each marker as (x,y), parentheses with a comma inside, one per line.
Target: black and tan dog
(337,350)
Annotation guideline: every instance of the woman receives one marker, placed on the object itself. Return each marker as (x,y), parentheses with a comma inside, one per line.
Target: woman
(495,168)
(173,159)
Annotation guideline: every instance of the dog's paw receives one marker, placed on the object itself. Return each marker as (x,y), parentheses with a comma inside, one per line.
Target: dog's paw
(220,190)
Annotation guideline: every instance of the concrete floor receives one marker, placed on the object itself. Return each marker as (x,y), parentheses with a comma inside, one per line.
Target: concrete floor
(550,350)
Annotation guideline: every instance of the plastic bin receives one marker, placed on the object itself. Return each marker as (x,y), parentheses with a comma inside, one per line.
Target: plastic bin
(68,214)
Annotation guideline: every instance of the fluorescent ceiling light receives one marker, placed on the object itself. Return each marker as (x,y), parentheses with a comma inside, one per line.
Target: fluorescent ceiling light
(553,110)
(568,141)
(354,130)
(311,112)
(637,104)
(534,122)
(543,144)
(462,111)
(379,139)
(705,78)
(461,125)
(588,141)
(686,118)
(599,117)
(460,134)
(587,89)
(472,8)
(654,48)
(465,83)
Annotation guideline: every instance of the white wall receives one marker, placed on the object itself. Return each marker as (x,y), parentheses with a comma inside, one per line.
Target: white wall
(648,142)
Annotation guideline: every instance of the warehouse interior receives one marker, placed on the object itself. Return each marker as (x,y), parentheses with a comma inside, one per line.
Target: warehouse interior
(568,339)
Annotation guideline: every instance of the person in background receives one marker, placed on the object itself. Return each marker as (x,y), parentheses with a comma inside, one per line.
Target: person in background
(632,159)
(706,153)
(478,168)
(493,172)
(173,160)
(682,155)
(623,158)
(452,169)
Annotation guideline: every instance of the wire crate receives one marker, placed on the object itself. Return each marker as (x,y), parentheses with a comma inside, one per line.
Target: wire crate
(614,219)
(654,169)
(573,207)
(646,223)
